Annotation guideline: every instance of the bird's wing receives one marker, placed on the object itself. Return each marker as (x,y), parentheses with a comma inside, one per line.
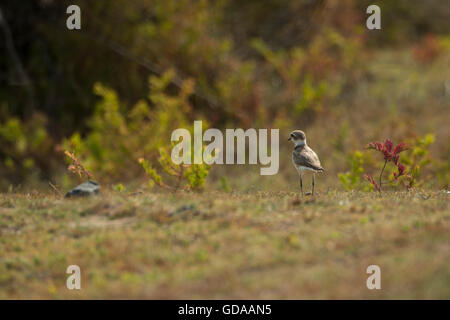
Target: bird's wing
(306,157)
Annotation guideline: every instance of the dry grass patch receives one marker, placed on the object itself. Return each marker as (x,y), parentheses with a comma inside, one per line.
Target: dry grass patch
(216,245)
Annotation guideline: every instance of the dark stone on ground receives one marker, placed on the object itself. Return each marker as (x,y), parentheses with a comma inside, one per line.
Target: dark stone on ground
(185,209)
(88,188)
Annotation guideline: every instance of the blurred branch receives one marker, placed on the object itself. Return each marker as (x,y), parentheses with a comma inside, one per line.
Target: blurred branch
(25,79)
(151,67)
(55,188)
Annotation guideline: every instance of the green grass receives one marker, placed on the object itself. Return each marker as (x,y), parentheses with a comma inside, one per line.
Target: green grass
(222,245)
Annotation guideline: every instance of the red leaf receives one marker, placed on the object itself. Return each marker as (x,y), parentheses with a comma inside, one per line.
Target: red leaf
(401,168)
(400,148)
(388,145)
(396,160)
(401,171)
(375,145)
(372,181)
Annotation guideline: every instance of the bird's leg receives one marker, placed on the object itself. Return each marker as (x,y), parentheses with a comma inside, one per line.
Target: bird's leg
(301,184)
(313,183)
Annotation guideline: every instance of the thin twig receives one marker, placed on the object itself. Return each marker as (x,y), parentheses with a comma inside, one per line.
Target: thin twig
(124,52)
(54,188)
(180,178)
(382,170)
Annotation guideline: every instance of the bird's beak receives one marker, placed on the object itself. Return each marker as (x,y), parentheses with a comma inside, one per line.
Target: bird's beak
(290,138)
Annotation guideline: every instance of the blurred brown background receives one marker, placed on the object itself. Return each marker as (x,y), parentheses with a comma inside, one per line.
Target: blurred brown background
(113,91)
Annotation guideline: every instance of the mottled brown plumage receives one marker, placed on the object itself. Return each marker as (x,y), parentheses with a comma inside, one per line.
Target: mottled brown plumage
(304,156)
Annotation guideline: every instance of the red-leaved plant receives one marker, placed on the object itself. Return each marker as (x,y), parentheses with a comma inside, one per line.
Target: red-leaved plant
(390,153)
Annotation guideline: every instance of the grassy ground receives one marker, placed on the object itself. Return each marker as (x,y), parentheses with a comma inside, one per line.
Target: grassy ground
(218,245)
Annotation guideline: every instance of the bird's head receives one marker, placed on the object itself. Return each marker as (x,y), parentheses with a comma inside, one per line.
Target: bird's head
(298,137)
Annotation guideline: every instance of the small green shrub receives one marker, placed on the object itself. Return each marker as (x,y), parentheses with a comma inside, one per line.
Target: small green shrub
(120,135)
(224,184)
(417,160)
(25,149)
(351,178)
(190,177)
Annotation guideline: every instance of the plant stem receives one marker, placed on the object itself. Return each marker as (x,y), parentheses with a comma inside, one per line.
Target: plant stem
(54,188)
(381,173)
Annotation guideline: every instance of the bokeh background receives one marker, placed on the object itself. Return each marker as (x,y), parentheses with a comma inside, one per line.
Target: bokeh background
(113,91)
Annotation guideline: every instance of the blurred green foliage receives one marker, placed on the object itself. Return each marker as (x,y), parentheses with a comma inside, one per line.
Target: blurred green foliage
(351,179)
(119,136)
(224,184)
(271,63)
(416,160)
(189,177)
(24,147)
